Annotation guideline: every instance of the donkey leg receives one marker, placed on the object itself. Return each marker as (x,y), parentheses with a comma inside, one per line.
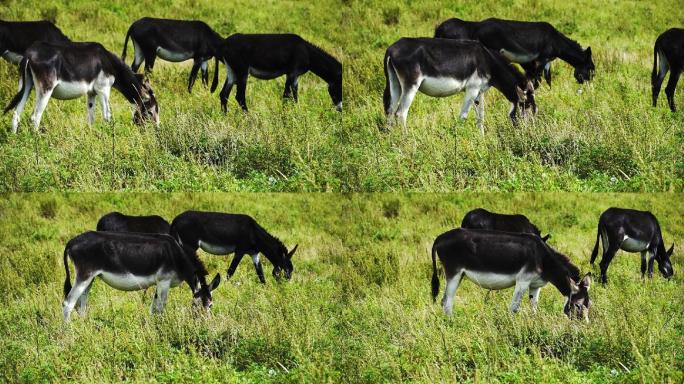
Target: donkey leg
(479,111)
(643,264)
(608,254)
(233,265)
(138,56)
(193,74)
(295,89)
(651,260)
(670,89)
(227,87)
(534,298)
(90,102)
(104,103)
(470,96)
(259,269)
(520,288)
(657,80)
(22,103)
(162,294)
(81,283)
(83,300)
(205,72)
(42,99)
(241,94)
(449,292)
(407,95)
(150,58)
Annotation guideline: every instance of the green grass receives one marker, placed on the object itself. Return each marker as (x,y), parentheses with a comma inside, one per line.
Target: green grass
(607,139)
(358,307)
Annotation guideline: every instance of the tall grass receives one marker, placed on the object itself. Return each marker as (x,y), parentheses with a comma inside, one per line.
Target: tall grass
(358,307)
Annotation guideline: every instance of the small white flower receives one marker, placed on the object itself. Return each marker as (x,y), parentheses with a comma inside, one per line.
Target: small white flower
(272,372)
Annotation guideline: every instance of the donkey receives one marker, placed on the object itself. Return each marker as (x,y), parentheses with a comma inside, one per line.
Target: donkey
(443,67)
(481,218)
(131,262)
(669,48)
(267,56)
(175,41)
(71,70)
(17,36)
(632,231)
(118,222)
(533,45)
(223,233)
(499,260)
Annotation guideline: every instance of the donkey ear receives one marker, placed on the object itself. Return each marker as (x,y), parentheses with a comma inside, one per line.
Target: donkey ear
(588,51)
(586,281)
(215,283)
(139,76)
(530,86)
(669,251)
(289,255)
(545,238)
(573,286)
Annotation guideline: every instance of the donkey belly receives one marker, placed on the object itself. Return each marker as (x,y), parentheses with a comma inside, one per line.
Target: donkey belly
(215,249)
(634,245)
(491,280)
(173,56)
(264,75)
(129,281)
(441,86)
(12,57)
(68,90)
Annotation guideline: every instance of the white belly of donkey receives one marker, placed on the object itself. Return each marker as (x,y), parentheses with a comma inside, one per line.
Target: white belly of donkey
(492,280)
(173,56)
(634,245)
(129,281)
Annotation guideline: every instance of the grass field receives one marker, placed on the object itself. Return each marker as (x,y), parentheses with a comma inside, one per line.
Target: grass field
(358,307)
(607,139)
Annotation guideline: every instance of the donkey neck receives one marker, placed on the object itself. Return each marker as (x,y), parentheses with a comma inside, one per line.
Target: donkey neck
(269,246)
(126,82)
(505,79)
(568,50)
(557,272)
(323,65)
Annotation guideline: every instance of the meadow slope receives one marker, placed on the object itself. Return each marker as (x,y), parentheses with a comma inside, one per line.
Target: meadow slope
(358,307)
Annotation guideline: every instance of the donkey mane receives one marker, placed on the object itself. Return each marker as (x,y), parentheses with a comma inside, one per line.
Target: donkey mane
(565,262)
(268,239)
(324,56)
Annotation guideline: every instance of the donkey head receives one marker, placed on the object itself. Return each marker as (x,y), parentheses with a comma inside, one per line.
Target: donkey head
(578,303)
(525,94)
(335,92)
(149,110)
(585,70)
(664,264)
(286,263)
(201,292)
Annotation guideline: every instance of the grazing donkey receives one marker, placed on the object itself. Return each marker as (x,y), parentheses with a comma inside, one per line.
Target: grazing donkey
(481,218)
(131,262)
(632,231)
(175,41)
(669,49)
(268,56)
(17,36)
(533,45)
(499,260)
(443,67)
(68,71)
(118,222)
(223,233)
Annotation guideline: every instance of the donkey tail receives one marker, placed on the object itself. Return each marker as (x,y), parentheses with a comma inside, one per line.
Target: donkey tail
(594,252)
(123,54)
(67,280)
(654,72)
(214,81)
(23,69)
(435,278)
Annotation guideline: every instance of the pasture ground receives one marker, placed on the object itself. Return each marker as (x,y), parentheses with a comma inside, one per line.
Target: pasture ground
(608,138)
(358,307)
